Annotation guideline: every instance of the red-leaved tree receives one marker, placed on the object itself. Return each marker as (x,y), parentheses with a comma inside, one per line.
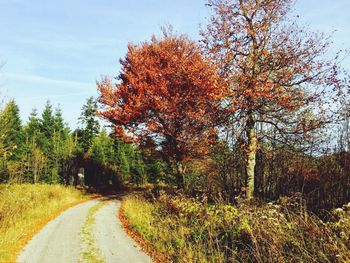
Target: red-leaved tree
(166,91)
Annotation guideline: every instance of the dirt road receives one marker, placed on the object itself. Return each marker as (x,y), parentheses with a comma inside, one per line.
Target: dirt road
(89,232)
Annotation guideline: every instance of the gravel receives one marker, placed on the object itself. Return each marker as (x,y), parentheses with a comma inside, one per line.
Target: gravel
(60,240)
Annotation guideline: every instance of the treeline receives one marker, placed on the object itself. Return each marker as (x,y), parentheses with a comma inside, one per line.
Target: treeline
(45,150)
(318,176)
(253,109)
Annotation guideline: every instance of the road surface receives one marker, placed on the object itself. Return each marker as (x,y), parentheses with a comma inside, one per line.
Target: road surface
(89,232)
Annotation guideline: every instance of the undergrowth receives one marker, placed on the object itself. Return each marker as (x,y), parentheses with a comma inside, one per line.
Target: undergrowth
(25,208)
(188,230)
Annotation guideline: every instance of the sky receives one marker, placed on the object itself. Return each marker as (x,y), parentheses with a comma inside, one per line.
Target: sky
(57,50)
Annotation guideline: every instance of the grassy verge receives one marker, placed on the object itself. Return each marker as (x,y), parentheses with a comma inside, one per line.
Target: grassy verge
(186,230)
(25,209)
(89,251)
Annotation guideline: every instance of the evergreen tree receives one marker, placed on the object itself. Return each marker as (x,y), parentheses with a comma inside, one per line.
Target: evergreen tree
(103,154)
(90,124)
(124,165)
(125,158)
(34,158)
(67,157)
(32,128)
(59,125)
(138,170)
(11,130)
(47,121)
(11,146)
(61,148)
(52,128)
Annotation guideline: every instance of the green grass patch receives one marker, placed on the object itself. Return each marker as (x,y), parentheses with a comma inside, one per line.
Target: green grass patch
(24,209)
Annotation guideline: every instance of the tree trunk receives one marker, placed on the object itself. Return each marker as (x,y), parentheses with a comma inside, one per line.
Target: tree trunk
(251,157)
(180,182)
(176,158)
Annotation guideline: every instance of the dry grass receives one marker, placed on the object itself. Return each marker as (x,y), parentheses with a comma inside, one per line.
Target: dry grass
(24,209)
(186,230)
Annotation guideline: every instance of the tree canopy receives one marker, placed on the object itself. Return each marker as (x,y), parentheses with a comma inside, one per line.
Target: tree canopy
(167,91)
(276,72)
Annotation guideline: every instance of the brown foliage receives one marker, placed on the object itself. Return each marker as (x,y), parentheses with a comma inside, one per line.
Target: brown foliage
(268,61)
(167,91)
(276,72)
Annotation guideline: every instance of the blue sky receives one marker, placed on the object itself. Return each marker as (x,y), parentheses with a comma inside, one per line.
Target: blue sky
(56,50)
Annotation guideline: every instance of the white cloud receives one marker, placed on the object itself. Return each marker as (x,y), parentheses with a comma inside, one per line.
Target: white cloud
(50,82)
(51,97)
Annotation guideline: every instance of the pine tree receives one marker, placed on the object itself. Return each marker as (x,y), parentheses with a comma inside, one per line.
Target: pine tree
(68,154)
(90,124)
(138,170)
(32,128)
(11,130)
(34,157)
(47,121)
(61,147)
(59,125)
(11,145)
(124,165)
(50,142)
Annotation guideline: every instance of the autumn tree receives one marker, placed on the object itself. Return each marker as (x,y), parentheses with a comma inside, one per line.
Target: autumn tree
(166,91)
(275,70)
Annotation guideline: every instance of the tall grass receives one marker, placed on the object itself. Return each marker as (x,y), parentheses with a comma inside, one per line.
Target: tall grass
(24,209)
(186,230)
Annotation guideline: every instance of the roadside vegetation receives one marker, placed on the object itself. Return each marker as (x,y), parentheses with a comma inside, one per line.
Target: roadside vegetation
(45,150)
(189,230)
(25,208)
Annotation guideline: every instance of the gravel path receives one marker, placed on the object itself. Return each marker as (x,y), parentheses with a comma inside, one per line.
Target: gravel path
(62,241)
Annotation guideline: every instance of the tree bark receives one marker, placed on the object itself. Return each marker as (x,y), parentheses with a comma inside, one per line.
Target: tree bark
(176,159)
(180,182)
(251,156)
